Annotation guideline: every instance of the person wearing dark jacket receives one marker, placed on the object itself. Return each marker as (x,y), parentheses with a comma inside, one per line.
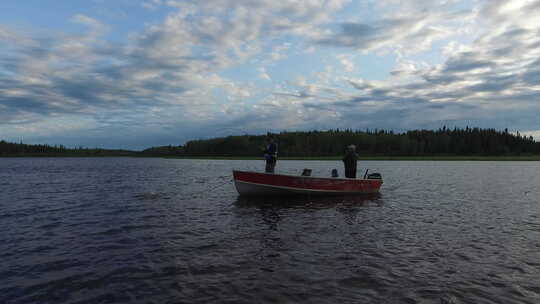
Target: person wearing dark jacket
(349,160)
(270,154)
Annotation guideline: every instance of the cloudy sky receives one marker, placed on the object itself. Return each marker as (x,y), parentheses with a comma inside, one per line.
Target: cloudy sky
(139,73)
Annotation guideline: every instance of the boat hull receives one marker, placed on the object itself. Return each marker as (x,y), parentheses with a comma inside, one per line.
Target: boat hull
(254,183)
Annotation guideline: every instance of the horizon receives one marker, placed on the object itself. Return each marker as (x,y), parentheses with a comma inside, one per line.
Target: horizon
(514,133)
(140,74)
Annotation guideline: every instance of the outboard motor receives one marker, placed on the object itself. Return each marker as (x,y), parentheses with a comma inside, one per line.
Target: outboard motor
(374,176)
(334,173)
(306,172)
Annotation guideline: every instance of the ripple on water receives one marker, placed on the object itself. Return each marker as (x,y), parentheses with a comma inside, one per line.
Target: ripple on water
(115,230)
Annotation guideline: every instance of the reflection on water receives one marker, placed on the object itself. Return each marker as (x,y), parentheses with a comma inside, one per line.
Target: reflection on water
(270,206)
(310,202)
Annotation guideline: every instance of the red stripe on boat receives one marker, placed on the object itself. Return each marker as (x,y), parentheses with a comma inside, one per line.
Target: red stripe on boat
(318,184)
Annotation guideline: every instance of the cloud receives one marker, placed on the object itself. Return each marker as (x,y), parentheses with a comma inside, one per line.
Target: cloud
(405,33)
(152,4)
(346,61)
(465,62)
(277,52)
(92,23)
(491,82)
(170,66)
(168,79)
(263,74)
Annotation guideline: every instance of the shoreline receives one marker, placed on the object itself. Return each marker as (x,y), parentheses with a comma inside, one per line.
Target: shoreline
(312,158)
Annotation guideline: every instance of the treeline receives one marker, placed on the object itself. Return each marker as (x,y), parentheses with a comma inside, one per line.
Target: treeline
(20,149)
(163,151)
(443,142)
(468,141)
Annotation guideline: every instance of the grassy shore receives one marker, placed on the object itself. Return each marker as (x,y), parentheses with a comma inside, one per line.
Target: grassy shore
(319,158)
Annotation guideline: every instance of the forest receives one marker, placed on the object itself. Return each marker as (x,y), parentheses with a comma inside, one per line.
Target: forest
(20,149)
(441,142)
(467,142)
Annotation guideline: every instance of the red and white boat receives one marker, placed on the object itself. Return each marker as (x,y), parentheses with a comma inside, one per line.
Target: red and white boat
(255,183)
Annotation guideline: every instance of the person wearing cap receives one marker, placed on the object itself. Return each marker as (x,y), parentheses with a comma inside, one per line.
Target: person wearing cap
(270,154)
(349,160)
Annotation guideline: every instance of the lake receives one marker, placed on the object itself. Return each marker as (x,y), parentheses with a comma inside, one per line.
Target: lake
(150,230)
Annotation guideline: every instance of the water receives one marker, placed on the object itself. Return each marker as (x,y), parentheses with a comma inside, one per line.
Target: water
(137,230)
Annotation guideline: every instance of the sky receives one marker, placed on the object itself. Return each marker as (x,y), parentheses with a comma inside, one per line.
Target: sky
(139,73)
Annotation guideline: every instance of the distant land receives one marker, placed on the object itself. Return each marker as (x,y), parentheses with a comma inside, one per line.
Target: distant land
(8,149)
(441,144)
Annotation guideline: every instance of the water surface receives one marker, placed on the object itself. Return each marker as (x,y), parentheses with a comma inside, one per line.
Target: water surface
(138,230)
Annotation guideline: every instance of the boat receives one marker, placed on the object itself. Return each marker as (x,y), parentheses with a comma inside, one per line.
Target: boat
(250,183)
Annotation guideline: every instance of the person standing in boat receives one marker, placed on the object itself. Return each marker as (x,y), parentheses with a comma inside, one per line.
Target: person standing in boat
(349,160)
(270,154)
